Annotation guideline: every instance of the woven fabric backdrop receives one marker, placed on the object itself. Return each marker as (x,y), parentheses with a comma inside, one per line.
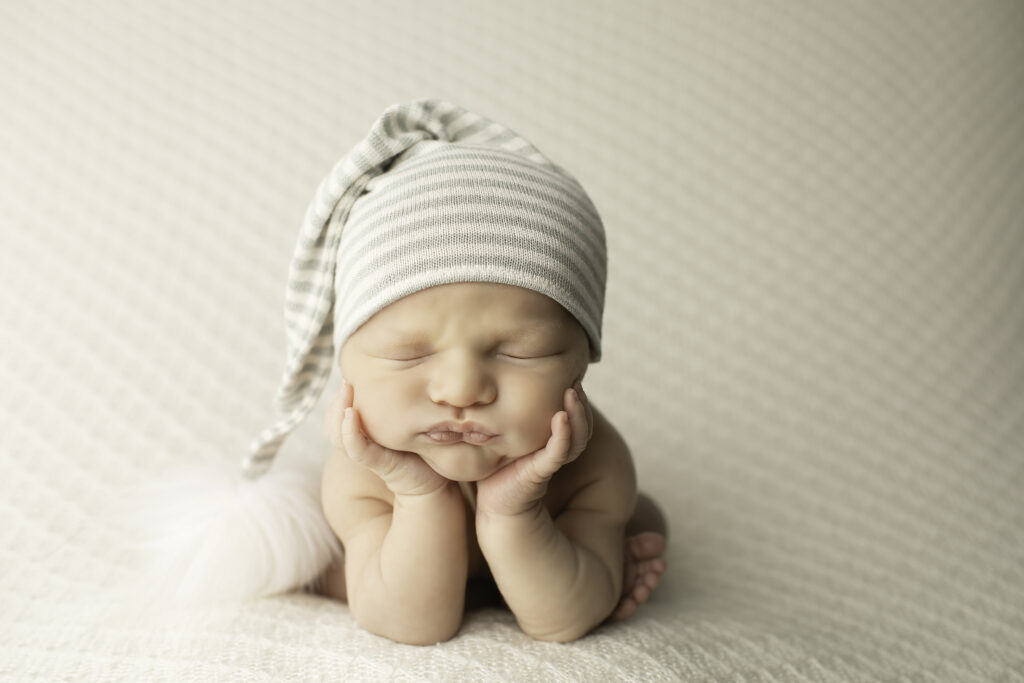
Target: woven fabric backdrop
(814,336)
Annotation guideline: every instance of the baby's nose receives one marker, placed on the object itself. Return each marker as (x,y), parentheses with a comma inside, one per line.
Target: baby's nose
(462,383)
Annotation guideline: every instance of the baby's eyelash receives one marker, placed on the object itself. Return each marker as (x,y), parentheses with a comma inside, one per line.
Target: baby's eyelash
(399,358)
(533,356)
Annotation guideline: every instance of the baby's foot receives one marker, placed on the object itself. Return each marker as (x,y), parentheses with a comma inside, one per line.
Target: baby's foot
(642,567)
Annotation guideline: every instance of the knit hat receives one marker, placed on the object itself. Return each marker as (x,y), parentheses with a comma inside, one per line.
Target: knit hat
(434,195)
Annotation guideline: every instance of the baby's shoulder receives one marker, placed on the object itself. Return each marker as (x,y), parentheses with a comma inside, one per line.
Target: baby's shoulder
(607,448)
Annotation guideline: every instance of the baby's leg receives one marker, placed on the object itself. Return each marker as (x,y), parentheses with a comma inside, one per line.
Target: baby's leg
(643,564)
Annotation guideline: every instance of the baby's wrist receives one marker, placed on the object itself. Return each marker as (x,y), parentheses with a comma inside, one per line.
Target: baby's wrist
(444,491)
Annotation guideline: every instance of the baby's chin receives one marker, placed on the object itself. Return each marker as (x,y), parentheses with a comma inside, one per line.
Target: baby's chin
(465,462)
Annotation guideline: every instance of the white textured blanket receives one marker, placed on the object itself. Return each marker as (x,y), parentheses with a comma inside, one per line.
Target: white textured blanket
(814,334)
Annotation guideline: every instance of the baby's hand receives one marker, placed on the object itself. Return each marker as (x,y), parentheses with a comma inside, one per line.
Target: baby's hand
(517,487)
(404,473)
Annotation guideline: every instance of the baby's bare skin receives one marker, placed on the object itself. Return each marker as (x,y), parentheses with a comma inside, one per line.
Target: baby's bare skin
(422,517)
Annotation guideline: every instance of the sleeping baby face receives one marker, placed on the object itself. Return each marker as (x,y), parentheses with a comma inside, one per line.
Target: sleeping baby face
(497,356)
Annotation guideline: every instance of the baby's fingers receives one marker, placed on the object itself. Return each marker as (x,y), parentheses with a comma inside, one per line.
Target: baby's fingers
(556,453)
(335,414)
(585,400)
(580,423)
(362,449)
(570,432)
(355,442)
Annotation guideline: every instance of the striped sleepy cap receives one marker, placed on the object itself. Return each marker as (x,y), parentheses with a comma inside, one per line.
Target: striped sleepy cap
(434,195)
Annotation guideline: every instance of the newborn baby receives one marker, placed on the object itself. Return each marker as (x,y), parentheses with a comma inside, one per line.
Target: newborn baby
(458,277)
(465,448)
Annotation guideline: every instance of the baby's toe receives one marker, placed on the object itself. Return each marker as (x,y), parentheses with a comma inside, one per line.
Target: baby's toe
(641,594)
(647,545)
(651,581)
(656,566)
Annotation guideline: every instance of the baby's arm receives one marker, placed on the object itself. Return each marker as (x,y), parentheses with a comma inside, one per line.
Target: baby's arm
(404,532)
(561,577)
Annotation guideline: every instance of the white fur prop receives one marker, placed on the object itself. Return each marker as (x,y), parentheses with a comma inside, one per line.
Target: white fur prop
(210,535)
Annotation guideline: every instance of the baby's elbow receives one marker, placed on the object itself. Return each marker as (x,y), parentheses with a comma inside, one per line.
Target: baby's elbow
(560,637)
(409,629)
(580,619)
(414,634)
(565,635)
(561,633)
(426,636)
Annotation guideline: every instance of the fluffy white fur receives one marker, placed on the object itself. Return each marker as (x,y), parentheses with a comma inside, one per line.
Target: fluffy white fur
(208,535)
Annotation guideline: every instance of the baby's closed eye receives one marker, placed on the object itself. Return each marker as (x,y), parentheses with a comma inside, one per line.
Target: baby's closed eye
(526,354)
(402,352)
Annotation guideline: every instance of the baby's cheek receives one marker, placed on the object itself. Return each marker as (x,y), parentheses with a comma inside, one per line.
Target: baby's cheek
(534,419)
(378,409)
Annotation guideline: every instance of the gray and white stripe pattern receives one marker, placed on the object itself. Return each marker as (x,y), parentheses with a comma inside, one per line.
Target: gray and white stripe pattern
(434,195)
